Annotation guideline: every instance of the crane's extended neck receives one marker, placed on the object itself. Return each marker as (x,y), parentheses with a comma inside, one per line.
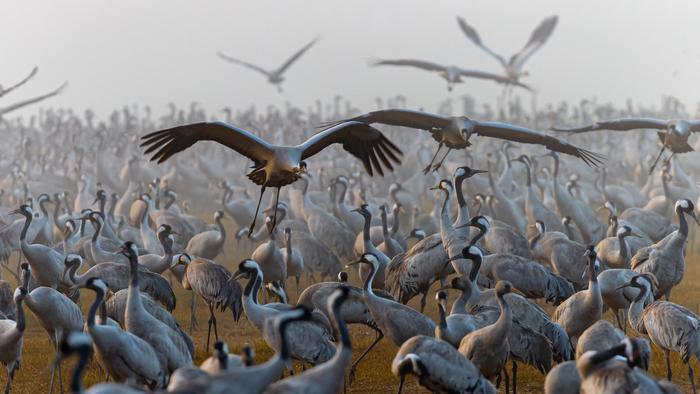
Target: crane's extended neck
(99,299)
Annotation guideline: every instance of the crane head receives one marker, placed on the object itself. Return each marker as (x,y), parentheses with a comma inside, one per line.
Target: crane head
(367,258)
(342,277)
(410,363)
(96,284)
(24,210)
(687,206)
(246,269)
(503,287)
(467,172)
(129,250)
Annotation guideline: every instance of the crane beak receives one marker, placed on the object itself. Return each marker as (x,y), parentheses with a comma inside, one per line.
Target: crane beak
(453,258)
(434,188)
(474,172)
(237,275)
(348,265)
(692,215)
(14,212)
(623,286)
(633,234)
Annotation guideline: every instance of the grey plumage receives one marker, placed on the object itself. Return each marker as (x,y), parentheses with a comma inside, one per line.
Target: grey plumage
(116,308)
(528,277)
(116,276)
(439,367)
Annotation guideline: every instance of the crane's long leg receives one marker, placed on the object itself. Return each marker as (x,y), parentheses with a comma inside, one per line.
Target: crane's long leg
(423,301)
(691,376)
(274,216)
(515,377)
(354,365)
(9,380)
(60,376)
(212,321)
(257,209)
(617,317)
(667,354)
(438,165)
(193,307)
(506,378)
(426,170)
(401,379)
(661,152)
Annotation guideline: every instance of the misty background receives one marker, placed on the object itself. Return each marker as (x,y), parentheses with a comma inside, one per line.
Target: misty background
(117,52)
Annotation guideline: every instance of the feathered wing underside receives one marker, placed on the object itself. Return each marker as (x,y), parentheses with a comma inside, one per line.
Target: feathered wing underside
(31,101)
(537,39)
(493,77)
(624,124)
(473,35)
(359,139)
(523,135)
(170,141)
(243,63)
(403,117)
(20,83)
(422,64)
(296,56)
(695,125)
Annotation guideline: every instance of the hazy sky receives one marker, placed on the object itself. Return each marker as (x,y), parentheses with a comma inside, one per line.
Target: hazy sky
(116,52)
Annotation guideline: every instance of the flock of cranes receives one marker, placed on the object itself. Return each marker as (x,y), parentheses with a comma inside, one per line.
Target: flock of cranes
(510,77)
(366,216)
(507,240)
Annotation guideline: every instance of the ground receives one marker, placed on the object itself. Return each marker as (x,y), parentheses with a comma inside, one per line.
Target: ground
(374,373)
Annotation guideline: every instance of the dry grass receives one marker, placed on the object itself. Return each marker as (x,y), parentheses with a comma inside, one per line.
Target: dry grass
(373,375)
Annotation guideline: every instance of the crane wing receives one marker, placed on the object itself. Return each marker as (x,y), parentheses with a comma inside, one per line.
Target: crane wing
(361,140)
(494,77)
(31,101)
(472,34)
(243,63)
(176,139)
(20,83)
(401,117)
(624,124)
(514,133)
(695,125)
(423,65)
(538,38)
(296,56)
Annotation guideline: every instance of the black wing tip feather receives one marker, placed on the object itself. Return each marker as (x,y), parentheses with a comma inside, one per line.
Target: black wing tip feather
(164,141)
(593,159)
(378,154)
